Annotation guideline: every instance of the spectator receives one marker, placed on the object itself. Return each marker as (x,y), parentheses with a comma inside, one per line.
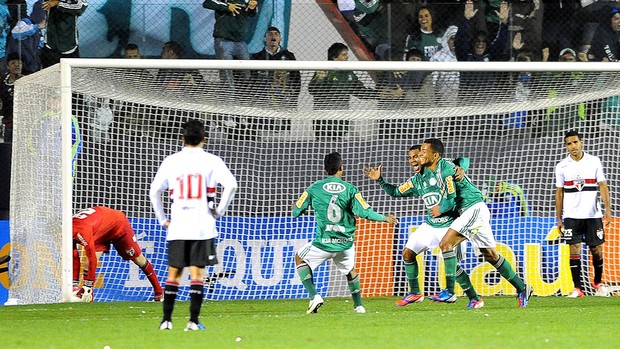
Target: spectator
(14,72)
(526,26)
(592,12)
(132,51)
(606,40)
(372,23)
(229,32)
(25,38)
(277,89)
(346,8)
(424,38)
(478,48)
(332,91)
(446,83)
(61,36)
(179,83)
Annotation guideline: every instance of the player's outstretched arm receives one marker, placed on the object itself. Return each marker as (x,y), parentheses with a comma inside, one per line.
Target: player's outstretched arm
(372,172)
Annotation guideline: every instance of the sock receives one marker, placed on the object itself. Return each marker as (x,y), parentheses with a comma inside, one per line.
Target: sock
(505,270)
(195,299)
(305,274)
(411,270)
(449,261)
(147,269)
(170,295)
(597,263)
(463,279)
(76,268)
(575,269)
(354,287)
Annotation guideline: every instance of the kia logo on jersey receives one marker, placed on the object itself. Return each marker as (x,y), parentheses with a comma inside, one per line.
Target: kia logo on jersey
(334,188)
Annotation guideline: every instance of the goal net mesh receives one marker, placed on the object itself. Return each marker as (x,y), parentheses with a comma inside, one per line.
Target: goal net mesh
(273,128)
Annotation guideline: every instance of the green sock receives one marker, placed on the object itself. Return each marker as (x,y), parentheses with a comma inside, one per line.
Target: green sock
(505,269)
(449,261)
(354,287)
(305,274)
(411,270)
(463,279)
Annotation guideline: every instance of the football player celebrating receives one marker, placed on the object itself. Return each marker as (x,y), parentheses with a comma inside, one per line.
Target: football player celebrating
(97,228)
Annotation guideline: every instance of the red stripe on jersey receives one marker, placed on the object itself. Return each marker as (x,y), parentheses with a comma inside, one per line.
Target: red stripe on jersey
(210,190)
(586,181)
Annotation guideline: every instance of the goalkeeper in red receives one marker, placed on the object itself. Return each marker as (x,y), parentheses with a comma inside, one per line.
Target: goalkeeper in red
(335,203)
(97,228)
(191,177)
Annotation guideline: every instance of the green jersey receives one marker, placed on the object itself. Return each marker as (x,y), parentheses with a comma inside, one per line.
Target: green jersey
(434,187)
(335,203)
(467,194)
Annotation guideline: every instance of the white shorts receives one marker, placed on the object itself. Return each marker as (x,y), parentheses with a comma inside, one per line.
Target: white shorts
(475,225)
(426,237)
(314,256)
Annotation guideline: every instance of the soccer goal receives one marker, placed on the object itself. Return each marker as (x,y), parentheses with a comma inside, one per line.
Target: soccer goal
(93,131)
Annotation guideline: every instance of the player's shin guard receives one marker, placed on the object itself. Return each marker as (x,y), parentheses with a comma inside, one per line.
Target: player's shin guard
(463,279)
(449,261)
(575,269)
(195,299)
(354,287)
(170,295)
(597,263)
(305,275)
(412,270)
(505,270)
(148,270)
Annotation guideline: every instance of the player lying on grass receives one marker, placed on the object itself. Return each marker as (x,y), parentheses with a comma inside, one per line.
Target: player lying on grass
(335,203)
(97,228)
(427,236)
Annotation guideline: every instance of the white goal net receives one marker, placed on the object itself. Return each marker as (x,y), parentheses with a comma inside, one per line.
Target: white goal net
(272,123)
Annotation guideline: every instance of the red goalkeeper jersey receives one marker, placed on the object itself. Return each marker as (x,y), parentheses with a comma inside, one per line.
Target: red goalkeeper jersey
(98,227)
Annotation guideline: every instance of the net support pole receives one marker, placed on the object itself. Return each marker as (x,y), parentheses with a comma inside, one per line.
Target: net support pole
(67,182)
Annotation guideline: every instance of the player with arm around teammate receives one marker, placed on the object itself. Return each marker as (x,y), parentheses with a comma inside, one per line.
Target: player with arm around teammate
(428,235)
(578,176)
(191,176)
(96,228)
(472,224)
(336,203)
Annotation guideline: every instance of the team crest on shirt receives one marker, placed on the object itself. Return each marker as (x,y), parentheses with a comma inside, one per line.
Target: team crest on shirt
(130,252)
(432,181)
(579,183)
(600,234)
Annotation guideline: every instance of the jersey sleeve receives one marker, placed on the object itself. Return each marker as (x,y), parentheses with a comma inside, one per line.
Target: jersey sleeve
(447,202)
(462,163)
(226,179)
(406,189)
(84,236)
(362,209)
(559,177)
(600,174)
(159,184)
(302,204)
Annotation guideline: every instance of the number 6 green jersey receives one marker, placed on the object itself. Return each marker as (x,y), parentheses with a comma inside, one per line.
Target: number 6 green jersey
(336,203)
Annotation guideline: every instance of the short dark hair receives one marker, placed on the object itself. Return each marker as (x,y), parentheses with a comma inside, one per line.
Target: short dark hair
(334,50)
(13,56)
(572,133)
(175,47)
(131,46)
(415,147)
(414,52)
(193,132)
(436,145)
(332,163)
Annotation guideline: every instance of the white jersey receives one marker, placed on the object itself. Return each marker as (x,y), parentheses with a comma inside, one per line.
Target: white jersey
(188,175)
(580,182)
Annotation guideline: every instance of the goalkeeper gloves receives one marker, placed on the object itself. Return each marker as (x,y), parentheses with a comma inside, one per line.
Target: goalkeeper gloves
(84,293)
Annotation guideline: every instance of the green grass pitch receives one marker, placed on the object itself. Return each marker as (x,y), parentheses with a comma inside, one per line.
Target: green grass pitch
(548,322)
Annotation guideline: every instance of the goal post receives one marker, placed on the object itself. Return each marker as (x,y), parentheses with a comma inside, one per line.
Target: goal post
(273,128)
